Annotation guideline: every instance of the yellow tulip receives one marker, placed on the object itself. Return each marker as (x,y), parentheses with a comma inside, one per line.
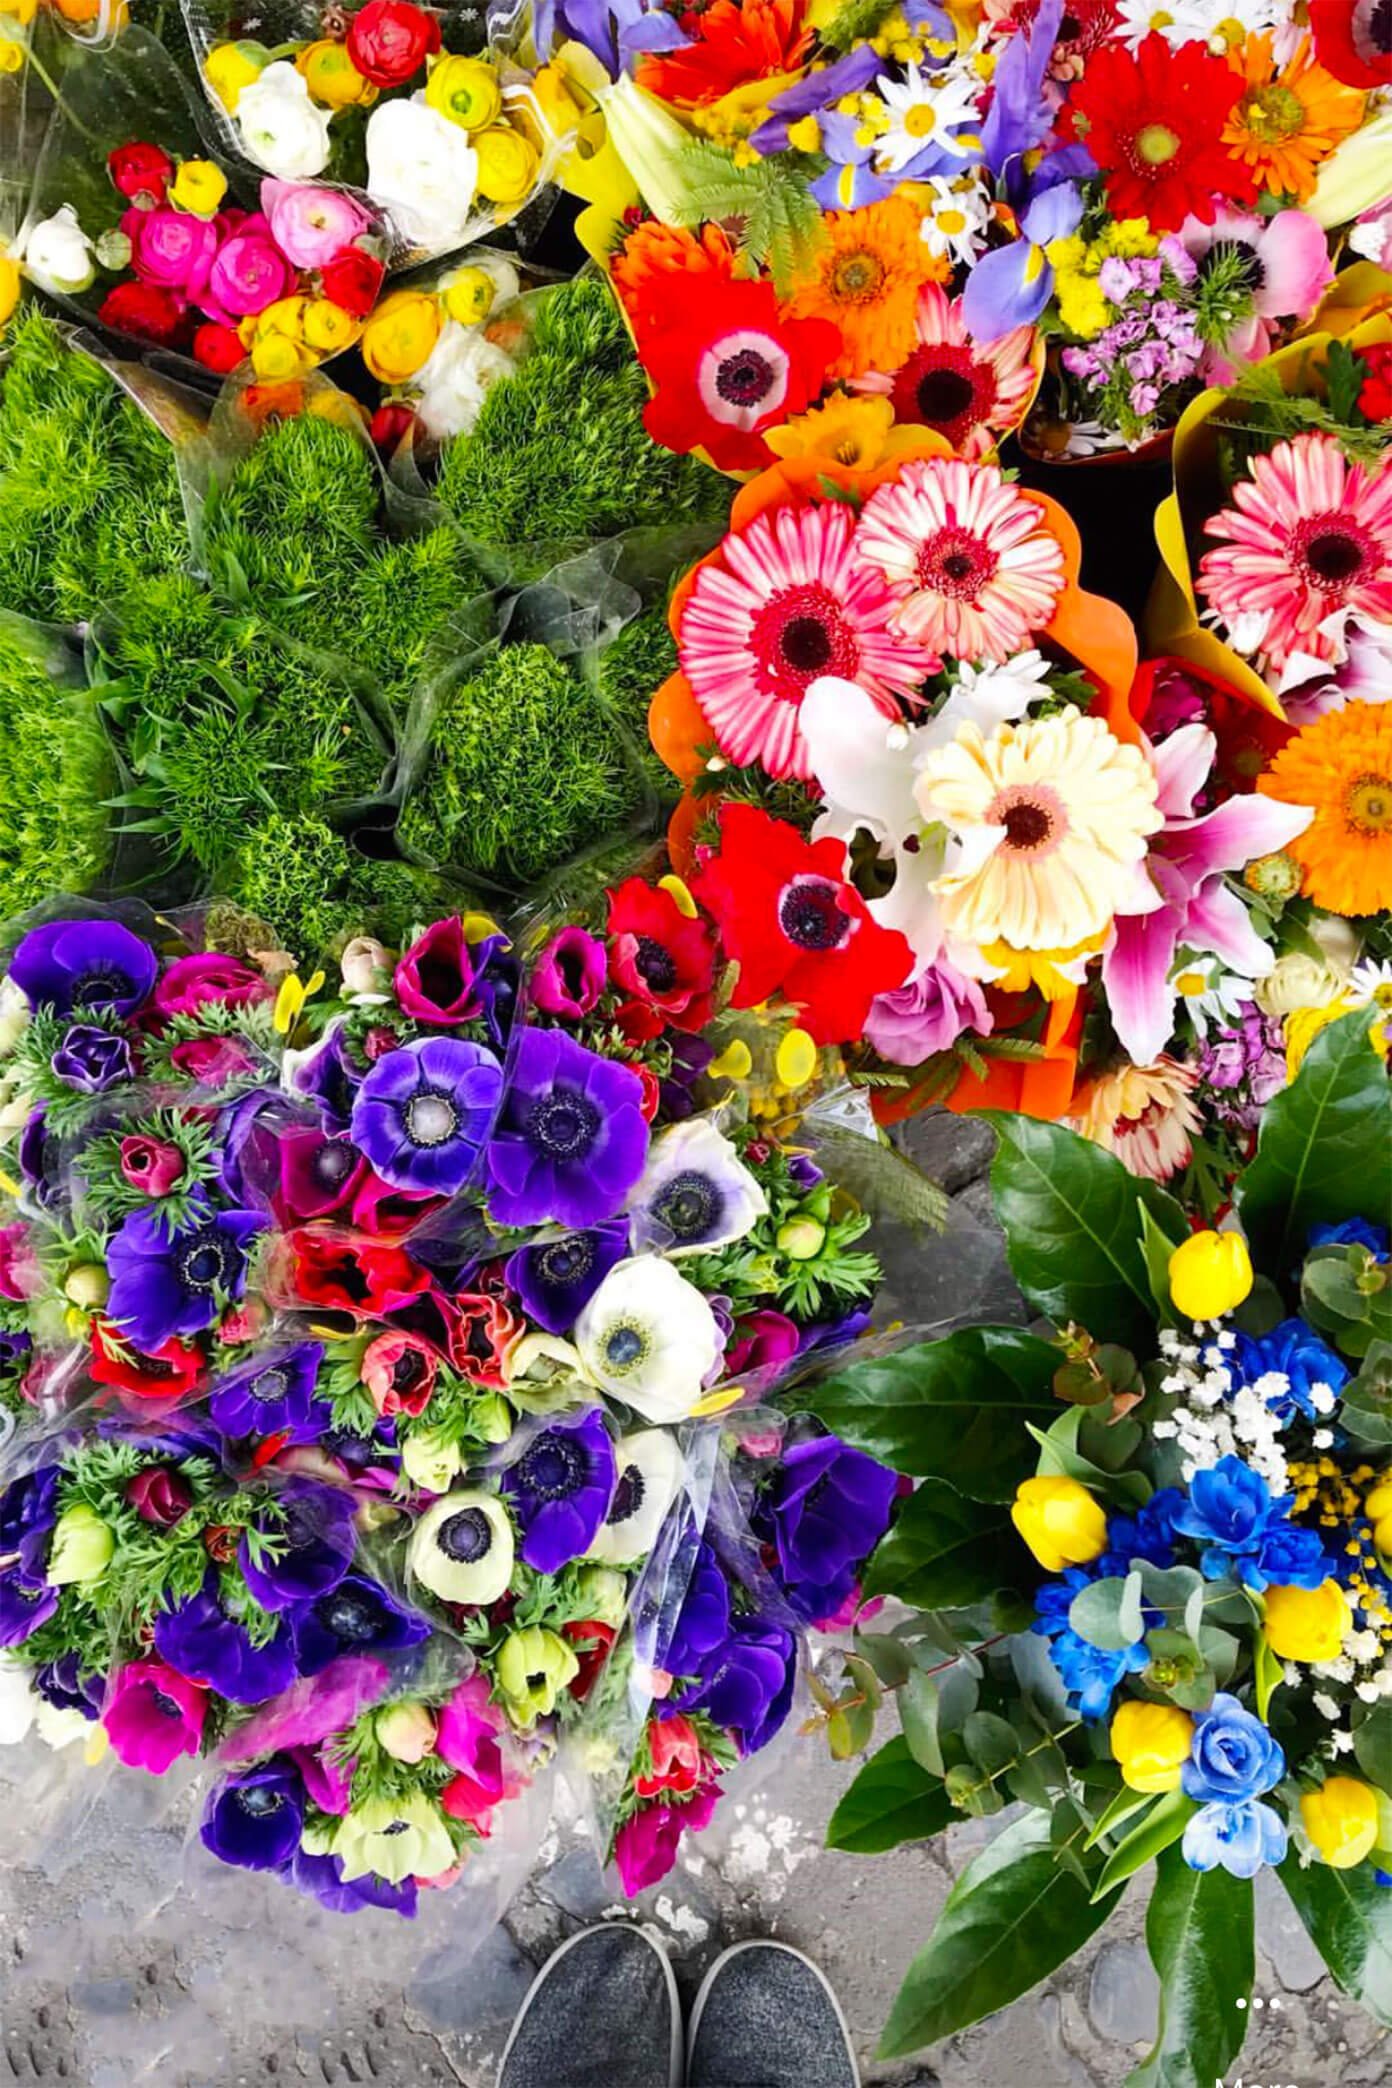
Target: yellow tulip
(1307,1623)
(230,67)
(331,76)
(400,335)
(1341,1820)
(1059,1521)
(1378,1509)
(1152,1743)
(466,91)
(1210,1274)
(507,165)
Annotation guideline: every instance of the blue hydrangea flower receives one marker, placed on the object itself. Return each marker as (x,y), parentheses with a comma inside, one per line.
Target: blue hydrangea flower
(1354,1232)
(1245,1534)
(1147,1535)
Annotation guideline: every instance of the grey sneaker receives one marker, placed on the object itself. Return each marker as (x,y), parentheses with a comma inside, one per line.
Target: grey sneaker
(603,2012)
(765,2017)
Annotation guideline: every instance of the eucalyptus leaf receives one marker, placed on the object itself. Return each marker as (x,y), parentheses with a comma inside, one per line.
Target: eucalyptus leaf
(1103,1614)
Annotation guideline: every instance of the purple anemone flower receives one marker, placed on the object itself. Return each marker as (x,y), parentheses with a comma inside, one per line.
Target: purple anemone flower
(273,1393)
(561,1487)
(254,1819)
(423,1114)
(308,1546)
(200,1641)
(358,1616)
(25,1604)
(66,1685)
(28,1511)
(326,1075)
(747,1686)
(72,965)
(555,1279)
(828,1508)
(91,1059)
(321,1878)
(570,1140)
(39,1159)
(165,1282)
(703,1624)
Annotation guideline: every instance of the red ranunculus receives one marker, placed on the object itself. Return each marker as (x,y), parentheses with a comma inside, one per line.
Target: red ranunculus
(218,348)
(659,955)
(168,1372)
(794,925)
(340,1274)
(389,40)
(147,310)
(389,424)
(1375,398)
(353,279)
(139,170)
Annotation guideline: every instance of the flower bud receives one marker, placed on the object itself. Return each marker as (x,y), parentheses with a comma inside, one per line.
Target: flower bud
(88,1285)
(366,966)
(1059,1521)
(406,1732)
(430,1460)
(153,1165)
(1151,1742)
(81,1547)
(1210,1274)
(533,1668)
(1341,1820)
(801,1239)
(198,188)
(160,1495)
(604,1594)
(1307,1623)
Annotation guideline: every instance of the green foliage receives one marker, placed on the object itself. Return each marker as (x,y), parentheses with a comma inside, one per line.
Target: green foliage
(314,889)
(524,770)
(945,1552)
(559,450)
(89,494)
(632,667)
(892,1800)
(1199,1932)
(1349,1919)
(55,771)
(782,222)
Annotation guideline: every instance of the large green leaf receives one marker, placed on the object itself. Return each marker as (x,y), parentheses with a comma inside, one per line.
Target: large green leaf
(945,1551)
(1072,1219)
(891,1801)
(955,1407)
(1199,1930)
(1349,1917)
(1325,1148)
(1013,1917)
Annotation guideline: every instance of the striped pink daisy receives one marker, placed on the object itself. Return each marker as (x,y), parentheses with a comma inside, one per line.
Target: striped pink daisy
(970,558)
(787,602)
(1308,538)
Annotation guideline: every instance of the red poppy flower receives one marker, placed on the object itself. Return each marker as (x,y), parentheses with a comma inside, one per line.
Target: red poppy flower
(660,956)
(732,45)
(352,279)
(727,363)
(139,169)
(1354,42)
(339,1274)
(389,40)
(168,1372)
(794,926)
(1154,124)
(591,1641)
(147,310)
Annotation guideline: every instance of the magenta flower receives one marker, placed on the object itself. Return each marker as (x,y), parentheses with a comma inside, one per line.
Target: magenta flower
(467,1737)
(570,974)
(153,1716)
(645,1847)
(310,1710)
(310,225)
(1186,905)
(249,273)
(172,248)
(190,984)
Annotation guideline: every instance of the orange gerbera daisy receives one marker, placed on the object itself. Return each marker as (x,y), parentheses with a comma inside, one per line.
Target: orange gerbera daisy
(865,277)
(1342,765)
(1285,122)
(656,257)
(734,44)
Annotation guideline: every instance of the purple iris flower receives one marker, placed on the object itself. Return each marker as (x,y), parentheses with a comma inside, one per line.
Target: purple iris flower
(747,1685)
(309,1545)
(71,965)
(561,1487)
(200,1641)
(1011,285)
(1020,116)
(423,1114)
(165,1282)
(571,1138)
(555,1279)
(254,1819)
(64,1684)
(703,1624)
(321,1878)
(28,1511)
(92,1060)
(820,88)
(358,1616)
(828,1508)
(273,1393)
(617,31)
(25,1604)
(497,983)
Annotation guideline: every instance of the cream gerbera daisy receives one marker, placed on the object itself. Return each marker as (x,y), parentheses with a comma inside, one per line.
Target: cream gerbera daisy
(1146,1115)
(1048,822)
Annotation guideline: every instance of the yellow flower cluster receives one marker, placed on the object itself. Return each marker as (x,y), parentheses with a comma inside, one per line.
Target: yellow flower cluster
(294,334)
(1077,262)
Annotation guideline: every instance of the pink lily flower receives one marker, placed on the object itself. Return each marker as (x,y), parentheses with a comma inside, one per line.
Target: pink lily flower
(1186,904)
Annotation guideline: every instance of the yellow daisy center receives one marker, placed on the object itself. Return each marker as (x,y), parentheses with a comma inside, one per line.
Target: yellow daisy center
(1368,804)
(1157,144)
(1190,983)
(951,221)
(921,121)
(1273,114)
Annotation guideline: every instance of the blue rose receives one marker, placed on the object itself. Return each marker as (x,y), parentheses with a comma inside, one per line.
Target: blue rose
(1233,1756)
(1290,1558)
(1241,1837)
(1294,1351)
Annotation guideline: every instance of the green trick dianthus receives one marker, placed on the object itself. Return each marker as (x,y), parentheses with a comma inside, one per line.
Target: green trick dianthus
(55,773)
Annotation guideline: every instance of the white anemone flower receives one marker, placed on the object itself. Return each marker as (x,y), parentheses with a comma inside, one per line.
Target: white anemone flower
(18,1704)
(694,1193)
(462,1548)
(649,1465)
(649,1338)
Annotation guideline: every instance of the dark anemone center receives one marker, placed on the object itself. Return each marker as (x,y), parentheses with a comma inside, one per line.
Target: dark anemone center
(563,1124)
(624,1346)
(943,394)
(205,1260)
(300,1530)
(466,1537)
(259,1800)
(441,981)
(349,1615)
(810,915)
(1236,256)
(167,1706)
(269,1384)
(688,1205)
(571,966)
(1373,33)
(655,965)
(430,1118)
(553,1468)
(1334,556)
(396,1827)
(566,1261)
(408,1370)
(628,1495)
(745,378)
(333,1162)
(101,986)
(807,644)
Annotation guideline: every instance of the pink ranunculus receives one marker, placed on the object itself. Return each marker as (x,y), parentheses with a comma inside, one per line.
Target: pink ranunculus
(910,1023)
(310,1710)
(170,248)
(763,1340)
(311,225)
(249,273)
(645,1847)
(152,1716)
(153,1165)
(191,983)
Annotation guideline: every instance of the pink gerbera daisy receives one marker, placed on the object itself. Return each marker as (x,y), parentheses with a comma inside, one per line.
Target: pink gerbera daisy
(972,392)
(1308,544)
(970,557)
(786,602)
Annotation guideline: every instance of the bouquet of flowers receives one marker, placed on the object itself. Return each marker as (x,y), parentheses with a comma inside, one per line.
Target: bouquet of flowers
(1152,1604)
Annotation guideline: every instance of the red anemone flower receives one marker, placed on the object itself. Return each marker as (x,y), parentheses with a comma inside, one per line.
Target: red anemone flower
(168,1372)
(1154,124)
(340,1274)
(660,956)
(1354,42)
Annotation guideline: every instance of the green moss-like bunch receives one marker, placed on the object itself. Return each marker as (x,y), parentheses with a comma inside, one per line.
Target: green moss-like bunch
(632,667)
(314,889)
(524,769)
(559,450)
(89,495)
(55,772)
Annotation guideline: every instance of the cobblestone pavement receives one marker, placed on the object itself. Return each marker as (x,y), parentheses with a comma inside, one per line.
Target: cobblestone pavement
(127,1956)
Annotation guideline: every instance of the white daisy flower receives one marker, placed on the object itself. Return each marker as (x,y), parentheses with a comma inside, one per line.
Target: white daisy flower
(926,110)
(958,218)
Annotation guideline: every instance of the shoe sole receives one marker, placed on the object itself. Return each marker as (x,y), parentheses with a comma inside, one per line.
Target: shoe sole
(675,2067)
(766,1943)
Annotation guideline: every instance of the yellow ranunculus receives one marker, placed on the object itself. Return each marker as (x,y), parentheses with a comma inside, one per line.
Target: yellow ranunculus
(1307,1623)
(1341,1820)
(331,76)
(198,188)
(327,327)
(276,355)
(400,335)
(229,67)
(507,165)
(10,280)
(1152,1743)
(22,11)
(1210,1274)
(560,110)
(469,295)
(80,1548)
(533,1667)
(1059,1520)
(466,90)
(14,45)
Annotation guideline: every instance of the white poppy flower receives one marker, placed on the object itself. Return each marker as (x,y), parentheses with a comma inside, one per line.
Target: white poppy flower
(649,1466)
(649,1338)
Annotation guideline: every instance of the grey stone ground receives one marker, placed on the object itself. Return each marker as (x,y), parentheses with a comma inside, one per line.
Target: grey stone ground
(126,1956)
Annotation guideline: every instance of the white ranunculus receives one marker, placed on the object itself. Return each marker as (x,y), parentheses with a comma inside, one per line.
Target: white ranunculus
(282,128)
(649,1467)
(58,255)
(454,380)
(649,1338)
(422,168)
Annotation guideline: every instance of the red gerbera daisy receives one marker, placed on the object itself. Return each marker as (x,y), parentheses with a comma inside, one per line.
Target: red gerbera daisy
(1354,42)
(167,1373)
(733,45)
(1154,124)
(794,925)
(726,364)
(660,956)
